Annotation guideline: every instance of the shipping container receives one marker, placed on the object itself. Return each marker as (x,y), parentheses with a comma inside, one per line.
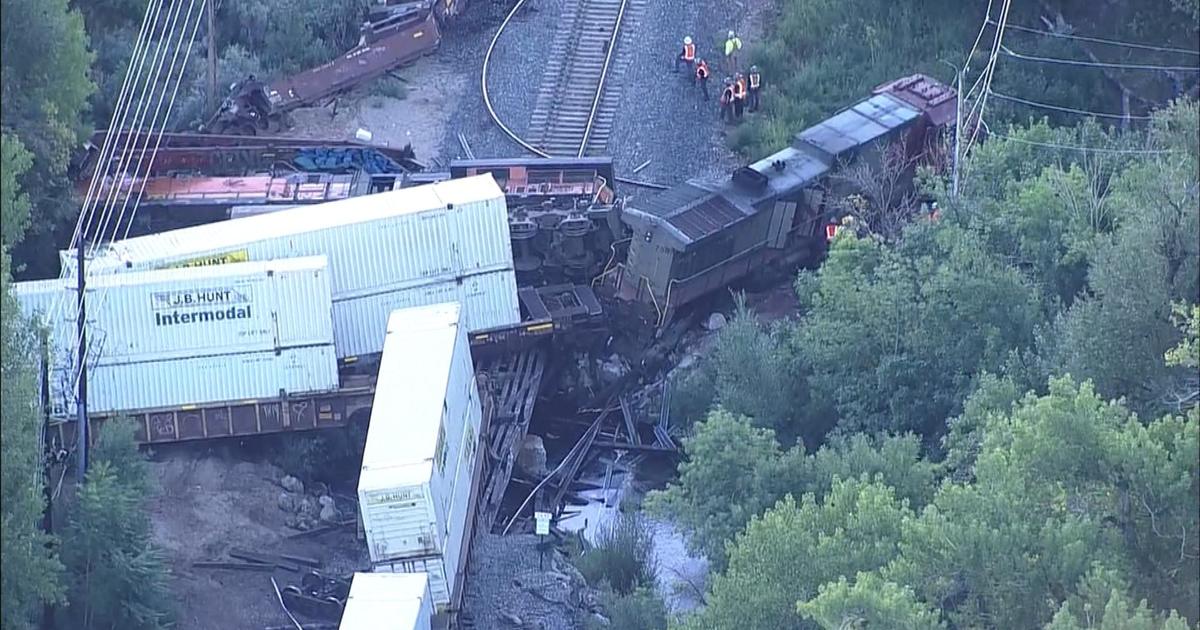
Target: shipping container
(386,250)
(375,243)
(431,566)
(388,601)
(194,381)
(188,313)
(488,301)
(414,495)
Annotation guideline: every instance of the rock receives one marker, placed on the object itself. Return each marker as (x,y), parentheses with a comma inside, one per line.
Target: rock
(715,322)
(601,619)
(510,618)
(318,488)
(292,484)
(326,501)
(288,502)
(531,459)
(329,514)
(612,369)
(309,508)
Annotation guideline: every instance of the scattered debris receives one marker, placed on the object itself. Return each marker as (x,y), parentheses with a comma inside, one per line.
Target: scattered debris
(715,322)
(292,484)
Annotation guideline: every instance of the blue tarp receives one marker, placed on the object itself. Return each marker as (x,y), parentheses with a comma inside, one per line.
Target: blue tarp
(340,160)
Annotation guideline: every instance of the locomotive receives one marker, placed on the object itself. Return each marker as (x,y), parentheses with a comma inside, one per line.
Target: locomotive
(698,237)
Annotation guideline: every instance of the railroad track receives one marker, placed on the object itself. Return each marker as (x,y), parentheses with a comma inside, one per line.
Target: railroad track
(576,101)
(580,90)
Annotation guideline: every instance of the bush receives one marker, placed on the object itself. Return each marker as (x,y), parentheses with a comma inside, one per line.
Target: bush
(389,87)
(324,455)
(642,609)
(621,557)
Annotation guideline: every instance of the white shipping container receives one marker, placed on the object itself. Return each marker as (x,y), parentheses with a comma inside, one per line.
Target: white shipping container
(388,601)
(200,380)
(425,405)
(375,243)
(188,313)
(431,566)
(488,301)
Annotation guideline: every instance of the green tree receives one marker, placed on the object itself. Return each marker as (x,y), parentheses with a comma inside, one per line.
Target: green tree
(785,555)
(1101,603)
(44,89)
(868,602)
(118,578)
(31,570)
(895,336)
(733,472)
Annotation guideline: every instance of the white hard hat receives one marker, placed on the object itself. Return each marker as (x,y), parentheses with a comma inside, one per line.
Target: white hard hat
(687,40)
(731,34)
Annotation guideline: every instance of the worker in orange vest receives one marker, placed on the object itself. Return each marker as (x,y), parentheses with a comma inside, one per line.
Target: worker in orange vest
(727,100)
(755,85)
(702,76)
(739,94)
(688,55)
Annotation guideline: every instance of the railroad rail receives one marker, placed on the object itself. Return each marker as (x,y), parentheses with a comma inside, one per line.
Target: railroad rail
(566,117)
(562,101)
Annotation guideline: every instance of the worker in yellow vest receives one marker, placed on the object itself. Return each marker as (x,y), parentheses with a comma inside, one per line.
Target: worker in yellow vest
(688,55)
(754,85)
(733,44)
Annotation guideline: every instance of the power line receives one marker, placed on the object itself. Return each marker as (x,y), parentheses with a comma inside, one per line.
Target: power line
(1075,147)
(1098,64)
(1099,40)
(1071,110)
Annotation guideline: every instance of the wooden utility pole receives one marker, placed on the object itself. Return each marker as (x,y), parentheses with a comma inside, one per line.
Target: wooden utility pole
(212,56)
(81,434)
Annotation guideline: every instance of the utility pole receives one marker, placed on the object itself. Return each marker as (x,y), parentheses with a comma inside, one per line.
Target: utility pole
(212,57)
(958,104)
(47,465)
(81,434)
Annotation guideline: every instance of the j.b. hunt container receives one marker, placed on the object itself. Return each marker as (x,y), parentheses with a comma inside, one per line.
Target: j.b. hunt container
(196,381)
(190,336)
(419,464)
(399,242)
(188,313)
(391,601)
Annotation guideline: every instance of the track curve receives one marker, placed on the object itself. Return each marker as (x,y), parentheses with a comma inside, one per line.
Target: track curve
(571,121)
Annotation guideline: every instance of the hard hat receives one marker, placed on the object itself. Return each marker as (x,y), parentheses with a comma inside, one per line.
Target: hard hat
(753,68)
(731,34)
(687,40)
(729,79)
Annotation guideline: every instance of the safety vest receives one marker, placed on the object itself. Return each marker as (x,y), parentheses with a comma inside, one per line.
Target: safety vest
(689,52)
(831,231)
(702,70)
(739,89)
(732,45)
(755,80)
(727,95)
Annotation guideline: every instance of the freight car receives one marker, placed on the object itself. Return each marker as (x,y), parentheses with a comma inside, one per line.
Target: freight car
(699,237)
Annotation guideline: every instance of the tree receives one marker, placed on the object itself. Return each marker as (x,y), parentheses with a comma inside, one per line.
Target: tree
(868,602)
(1101,603)
(786,554)
(896,336)
(43,96)
(31,569)
(733,472)
(118,578)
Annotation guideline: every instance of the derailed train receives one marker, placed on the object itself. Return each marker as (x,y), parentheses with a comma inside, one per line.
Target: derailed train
(699,237)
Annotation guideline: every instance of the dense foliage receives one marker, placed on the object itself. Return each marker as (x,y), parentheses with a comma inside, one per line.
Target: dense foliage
(1040,339)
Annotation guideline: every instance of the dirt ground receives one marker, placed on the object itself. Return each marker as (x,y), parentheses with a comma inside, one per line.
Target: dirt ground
(432,88)
(208,504)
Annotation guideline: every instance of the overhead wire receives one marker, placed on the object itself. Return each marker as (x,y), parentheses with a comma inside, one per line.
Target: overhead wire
(1100,40)
(1073,147)
(136,130)
(1070,110)
(1098,64)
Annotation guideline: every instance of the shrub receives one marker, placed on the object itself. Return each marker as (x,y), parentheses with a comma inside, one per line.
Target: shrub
(621,558)
(642,609)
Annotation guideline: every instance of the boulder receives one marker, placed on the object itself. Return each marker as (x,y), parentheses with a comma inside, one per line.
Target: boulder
(326,501)
(510,618)
(309,508)
(288,502)
(292,484)
(531,459)
(329,514)
(715,322)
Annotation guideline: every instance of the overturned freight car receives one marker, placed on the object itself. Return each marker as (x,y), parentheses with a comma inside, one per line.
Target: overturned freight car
(699,237)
